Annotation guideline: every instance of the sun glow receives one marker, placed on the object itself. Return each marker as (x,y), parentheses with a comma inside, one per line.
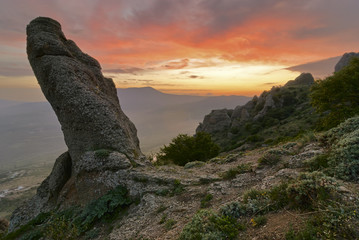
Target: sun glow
(206,77)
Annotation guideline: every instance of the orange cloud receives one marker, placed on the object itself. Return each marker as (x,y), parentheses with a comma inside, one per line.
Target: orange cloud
(134,34)
(176,64)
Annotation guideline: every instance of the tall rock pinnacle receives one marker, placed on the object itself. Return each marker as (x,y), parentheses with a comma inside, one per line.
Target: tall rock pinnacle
(84,101)
(102,142)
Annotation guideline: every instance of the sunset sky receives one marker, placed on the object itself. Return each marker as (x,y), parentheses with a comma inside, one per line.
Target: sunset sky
(205,47)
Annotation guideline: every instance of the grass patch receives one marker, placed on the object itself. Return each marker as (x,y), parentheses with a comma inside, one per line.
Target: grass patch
(169,224)
(269,159)
(207,224)
(233,172)
(258,221)
(163,218)
(161,208)
(205,201)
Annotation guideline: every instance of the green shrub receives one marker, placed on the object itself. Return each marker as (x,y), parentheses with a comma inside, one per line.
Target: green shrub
(333,135)
(344,158)
(71,223)
(161,208)
(106,206)
(317,163)
(258,221)
(337,95)
(184,149)
(208,225)
(269,159)
(234,210)
(32,230)
(278,196)
(205,201)
(232,172)
(178,187)
(163,218)
(59,227)
(310,189)
(169,224)
(336,222)
(257,201)
(252,194)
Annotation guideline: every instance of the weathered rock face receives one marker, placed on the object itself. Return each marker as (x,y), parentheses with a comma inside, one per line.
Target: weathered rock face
(344,61)
(84,101)
(216,121)
(102,141)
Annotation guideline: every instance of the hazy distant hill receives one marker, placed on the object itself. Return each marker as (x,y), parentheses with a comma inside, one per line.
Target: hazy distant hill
(30,132)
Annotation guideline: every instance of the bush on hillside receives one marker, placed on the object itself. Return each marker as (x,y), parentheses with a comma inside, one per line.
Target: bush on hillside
(334,134)
(344,158)
(310,189)
(337,96)
(269,159)
(184,149)
(208,225)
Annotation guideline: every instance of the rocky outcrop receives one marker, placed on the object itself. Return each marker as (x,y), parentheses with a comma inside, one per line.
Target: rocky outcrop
(225,125)
(216,121)
(302,79)
(344,61)
(102,142)
(84,101)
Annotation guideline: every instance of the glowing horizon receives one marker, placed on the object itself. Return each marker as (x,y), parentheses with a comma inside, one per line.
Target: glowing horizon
(199,47)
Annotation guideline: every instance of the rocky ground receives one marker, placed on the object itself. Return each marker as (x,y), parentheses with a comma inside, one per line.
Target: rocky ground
(163,217)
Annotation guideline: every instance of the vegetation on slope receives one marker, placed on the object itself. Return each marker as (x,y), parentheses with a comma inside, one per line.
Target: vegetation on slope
(316,192)
(337,97)
(294,118)
(75,221)
(185,148)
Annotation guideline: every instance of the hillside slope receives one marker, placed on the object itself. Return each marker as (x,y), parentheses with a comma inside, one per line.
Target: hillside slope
(277,114)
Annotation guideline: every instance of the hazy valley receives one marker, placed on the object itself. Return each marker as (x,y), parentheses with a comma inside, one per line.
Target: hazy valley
(30,132)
